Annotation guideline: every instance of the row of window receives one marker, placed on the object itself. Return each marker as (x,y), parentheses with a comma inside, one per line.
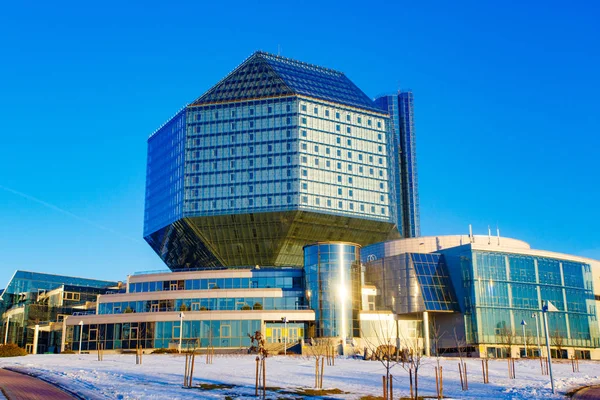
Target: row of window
(337,115)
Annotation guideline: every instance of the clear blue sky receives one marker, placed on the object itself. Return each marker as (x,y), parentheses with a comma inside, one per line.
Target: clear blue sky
(506,96)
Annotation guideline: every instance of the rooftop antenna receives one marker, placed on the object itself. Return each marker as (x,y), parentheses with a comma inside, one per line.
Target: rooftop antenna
(279,50)
(471,239)
(498,232)
(489,235)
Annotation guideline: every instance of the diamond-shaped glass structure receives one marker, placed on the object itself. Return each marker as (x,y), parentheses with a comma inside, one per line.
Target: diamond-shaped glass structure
(278,154)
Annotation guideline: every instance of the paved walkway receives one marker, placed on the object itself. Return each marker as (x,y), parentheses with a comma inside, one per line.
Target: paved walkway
(588,393)
(24,387)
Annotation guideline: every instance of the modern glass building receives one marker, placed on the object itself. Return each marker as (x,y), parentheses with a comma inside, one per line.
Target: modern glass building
(403,157)
(486,289)
(37,299)
(278,154)
(203,308)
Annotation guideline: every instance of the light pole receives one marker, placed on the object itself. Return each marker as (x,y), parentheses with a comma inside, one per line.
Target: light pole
(537,333)
(181,316)
(284,320)
(547,307)
(6,333)
(80,335)
(523,323)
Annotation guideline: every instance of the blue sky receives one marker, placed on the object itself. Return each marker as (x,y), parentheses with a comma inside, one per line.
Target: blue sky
(506,97)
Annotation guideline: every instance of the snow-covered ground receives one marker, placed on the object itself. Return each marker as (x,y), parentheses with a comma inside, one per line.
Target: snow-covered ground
(161,376)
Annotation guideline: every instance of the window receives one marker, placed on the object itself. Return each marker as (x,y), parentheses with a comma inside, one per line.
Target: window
(304,185)
(379,136)
(360,157)
(232,177)
(305,199)
(288,108)
(316,110)
(348,118)
(337,115)
(303,107)
(359,119)
(270,109)
(251,136)
(340,191)
(348,130)
(251,149)
(349,154)
(304,172)
(380,185)
(251,111)
(338,140)
(349,167)
(328,203)
(350,180)
(233,113)
(349,141)
(340,204)
(316,161)
(370,159)
(270,147)
(350,193)
(316,149)
(379,124)
(303,146)
(328,163)
(368,123)
(304,120)
(380,160)
(232,139)
(303,160)
(318,201)
(303,133)
(270,160)
(327,115)
(339,153)
(339,178)
(327,151)
(337,128)
(339,165)
(250,189)
(251,124)
(352,206)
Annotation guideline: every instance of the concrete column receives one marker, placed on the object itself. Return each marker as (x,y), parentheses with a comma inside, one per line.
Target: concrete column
(426,333)
(36,338)
(6,333)
(64,335)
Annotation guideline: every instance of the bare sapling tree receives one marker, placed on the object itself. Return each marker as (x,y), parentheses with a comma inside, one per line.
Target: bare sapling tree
(258,347)
(436,335)
(557,340)
(381,341)
(412,360)
(319,349)
(461,346)
(507,338)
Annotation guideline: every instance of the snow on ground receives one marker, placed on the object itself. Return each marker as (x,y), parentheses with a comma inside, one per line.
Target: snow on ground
(161,376)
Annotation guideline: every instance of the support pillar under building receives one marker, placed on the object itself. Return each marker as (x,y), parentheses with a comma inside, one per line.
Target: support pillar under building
(426,340)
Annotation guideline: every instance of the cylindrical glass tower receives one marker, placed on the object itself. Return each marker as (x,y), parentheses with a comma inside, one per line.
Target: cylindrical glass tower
(333,288)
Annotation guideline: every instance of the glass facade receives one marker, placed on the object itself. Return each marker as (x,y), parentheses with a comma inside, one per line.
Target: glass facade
(502,289)
(404,161)
(411,283)
(217,333)
(238,177)
(333,288)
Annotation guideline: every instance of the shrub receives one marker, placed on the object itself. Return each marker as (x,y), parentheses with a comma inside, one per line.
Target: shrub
(165,351)
(11,350)
(67,352)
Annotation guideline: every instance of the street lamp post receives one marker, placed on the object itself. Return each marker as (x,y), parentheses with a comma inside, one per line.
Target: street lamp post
(284,320)
(537,333)
(548,307)
(80,335)
(523,323)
